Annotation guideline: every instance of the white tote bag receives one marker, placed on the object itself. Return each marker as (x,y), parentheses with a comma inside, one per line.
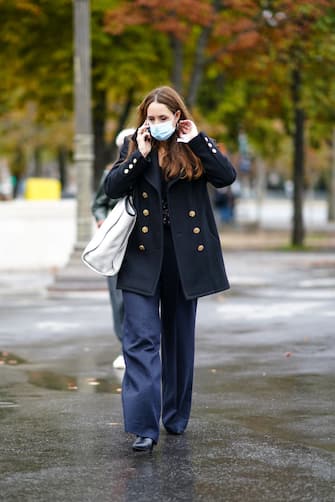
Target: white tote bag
(105,251)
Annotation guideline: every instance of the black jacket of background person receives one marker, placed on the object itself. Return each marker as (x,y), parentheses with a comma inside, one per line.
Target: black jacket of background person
(195,237)
(102,204)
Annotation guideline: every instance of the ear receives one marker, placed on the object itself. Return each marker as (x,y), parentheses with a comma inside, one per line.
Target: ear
(177,115)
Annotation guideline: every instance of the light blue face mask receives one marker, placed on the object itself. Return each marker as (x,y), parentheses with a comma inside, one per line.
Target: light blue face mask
(162,131)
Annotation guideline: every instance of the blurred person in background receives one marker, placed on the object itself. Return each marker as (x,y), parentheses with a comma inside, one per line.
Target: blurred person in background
(100,207)
(173,257)
(224,201)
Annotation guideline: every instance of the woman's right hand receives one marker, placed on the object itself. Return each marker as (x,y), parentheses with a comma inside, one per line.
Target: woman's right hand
(143,139)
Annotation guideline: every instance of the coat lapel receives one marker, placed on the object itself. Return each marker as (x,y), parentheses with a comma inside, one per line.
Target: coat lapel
(153,173)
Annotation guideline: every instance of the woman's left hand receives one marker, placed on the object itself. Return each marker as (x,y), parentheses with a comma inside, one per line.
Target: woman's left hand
(187,130)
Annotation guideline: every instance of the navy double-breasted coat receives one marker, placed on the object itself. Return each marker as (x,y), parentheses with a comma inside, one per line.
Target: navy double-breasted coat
(194,233)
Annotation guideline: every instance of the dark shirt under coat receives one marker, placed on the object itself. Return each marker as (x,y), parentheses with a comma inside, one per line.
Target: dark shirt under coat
(194,233)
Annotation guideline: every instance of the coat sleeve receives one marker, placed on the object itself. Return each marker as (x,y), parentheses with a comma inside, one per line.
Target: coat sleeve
(218,169)
(121,179)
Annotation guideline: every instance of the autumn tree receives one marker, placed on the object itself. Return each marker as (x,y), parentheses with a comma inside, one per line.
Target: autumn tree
(124,65)
(37,61)
(36,84)
(245,63)
(199,33)
(298,36)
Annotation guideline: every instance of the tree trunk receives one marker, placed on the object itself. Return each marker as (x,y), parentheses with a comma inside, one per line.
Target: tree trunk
(18,169)
(331,204)
(198,67)
(260,189)
(38,164)
(62,165)
(178,57)
(122,121)
(298,230)
(200,58)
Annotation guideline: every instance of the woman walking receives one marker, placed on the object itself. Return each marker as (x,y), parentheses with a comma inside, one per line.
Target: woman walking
(173,257)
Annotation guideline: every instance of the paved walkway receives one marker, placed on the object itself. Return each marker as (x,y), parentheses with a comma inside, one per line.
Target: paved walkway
(262,424)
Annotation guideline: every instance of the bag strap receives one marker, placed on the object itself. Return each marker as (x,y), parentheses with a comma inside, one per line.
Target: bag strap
(129,205)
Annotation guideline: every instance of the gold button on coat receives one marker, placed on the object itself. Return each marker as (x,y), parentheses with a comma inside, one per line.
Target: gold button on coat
(146,212)
(201,247)
(191,214)
(196,230)
(141,247)
(145,230)
(145,195)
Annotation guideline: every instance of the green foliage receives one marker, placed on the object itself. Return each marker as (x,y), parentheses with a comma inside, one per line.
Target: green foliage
(243,63)
(40,53)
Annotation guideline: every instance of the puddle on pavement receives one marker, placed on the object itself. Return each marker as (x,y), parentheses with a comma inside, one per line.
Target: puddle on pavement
(7,404)
(10,359)
(56,381)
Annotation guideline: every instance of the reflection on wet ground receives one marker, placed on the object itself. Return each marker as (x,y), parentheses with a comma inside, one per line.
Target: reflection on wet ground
(10,358)
(258,437)
(286,406)
(56,381)
(74,448)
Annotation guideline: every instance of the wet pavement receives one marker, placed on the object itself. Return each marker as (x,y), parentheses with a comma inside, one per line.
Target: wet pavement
(262,425)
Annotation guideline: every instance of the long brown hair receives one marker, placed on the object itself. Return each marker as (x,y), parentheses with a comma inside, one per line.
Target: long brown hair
(179,159)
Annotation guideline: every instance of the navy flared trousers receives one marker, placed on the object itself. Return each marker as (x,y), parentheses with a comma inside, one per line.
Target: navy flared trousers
(158,347)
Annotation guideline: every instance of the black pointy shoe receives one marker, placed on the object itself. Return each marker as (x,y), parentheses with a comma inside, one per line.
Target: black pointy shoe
(174,433)
(143,444)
